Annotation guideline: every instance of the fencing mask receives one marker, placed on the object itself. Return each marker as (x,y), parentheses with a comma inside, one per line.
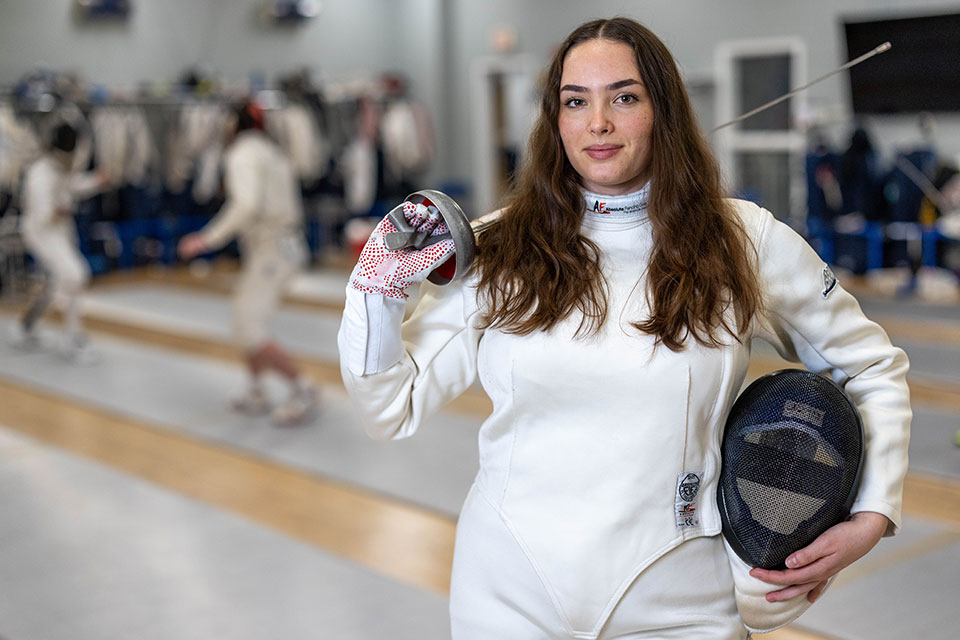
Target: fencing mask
(791,457)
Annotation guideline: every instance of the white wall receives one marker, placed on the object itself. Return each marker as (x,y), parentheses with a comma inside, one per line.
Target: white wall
(434,41)
(163,37)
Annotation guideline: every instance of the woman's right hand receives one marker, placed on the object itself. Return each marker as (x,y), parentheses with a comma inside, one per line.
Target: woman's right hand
(390,273)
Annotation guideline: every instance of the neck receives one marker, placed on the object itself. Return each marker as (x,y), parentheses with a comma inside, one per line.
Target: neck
(63,159)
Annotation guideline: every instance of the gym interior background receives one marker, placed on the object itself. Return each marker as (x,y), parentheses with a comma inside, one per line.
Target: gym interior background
(134,504)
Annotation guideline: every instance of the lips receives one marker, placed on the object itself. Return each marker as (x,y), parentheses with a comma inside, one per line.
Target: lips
(602,151)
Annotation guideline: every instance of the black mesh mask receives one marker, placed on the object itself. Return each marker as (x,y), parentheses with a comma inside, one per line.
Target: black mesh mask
(791,458)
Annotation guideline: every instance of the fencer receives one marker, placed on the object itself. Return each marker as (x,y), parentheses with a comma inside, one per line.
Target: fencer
(264,211)
(51,190)
(609,317)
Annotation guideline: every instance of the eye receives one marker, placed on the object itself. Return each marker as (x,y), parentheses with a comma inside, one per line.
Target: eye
(627,98)
(574,102)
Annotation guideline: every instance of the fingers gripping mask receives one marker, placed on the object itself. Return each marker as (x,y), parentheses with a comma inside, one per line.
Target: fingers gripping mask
(792,453)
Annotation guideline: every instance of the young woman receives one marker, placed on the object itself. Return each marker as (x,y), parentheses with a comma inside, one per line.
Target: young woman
(609,317)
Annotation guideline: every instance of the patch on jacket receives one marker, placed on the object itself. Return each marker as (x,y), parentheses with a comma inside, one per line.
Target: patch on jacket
(829,282)
(685,499)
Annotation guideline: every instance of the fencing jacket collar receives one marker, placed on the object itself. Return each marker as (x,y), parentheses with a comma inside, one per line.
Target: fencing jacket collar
(628,206)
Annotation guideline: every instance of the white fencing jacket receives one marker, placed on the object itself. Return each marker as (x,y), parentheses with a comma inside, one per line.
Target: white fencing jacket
(588,437)
(263,196)
(18,147)
(50,192)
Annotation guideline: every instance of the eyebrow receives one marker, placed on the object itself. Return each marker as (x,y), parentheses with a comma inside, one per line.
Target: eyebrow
(619,84)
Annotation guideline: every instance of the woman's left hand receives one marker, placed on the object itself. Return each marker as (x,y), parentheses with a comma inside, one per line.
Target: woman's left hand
(837,547)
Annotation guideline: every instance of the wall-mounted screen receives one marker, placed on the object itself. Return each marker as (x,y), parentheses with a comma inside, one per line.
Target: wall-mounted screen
(920,73)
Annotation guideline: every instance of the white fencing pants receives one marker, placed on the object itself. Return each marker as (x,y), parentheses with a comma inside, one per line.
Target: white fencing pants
(266,273)
(69,274)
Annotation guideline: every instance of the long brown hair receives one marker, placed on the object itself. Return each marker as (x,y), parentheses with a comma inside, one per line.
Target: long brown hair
(536,268)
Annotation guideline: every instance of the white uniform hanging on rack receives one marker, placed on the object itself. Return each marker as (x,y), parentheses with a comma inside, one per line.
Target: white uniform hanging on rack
(408,141)
(195,150)
(123,147)
(359,162)
(295,128)
(18,147)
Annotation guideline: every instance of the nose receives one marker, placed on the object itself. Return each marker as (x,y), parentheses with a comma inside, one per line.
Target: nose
(600,122)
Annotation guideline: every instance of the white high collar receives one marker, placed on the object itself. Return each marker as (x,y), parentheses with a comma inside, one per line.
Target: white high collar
(628,206)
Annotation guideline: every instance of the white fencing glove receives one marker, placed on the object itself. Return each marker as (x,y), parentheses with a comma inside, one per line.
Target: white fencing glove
(389,273)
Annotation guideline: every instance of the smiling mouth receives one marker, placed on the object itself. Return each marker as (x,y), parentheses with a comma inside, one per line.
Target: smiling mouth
(602,151)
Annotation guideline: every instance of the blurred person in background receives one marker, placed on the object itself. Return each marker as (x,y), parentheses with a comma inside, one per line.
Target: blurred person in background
(609,316)
(51,189)
(264,210)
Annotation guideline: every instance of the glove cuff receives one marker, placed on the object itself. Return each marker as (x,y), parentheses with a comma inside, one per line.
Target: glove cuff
(383,290)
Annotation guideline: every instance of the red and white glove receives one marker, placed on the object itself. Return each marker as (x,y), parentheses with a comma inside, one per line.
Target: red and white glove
(389,273)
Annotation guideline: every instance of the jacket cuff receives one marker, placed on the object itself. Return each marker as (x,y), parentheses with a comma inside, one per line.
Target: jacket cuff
(370,340)
(758,615)
(884,509)
(214,237)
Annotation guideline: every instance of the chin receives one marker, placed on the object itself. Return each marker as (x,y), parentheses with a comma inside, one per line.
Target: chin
(603,182)
(613,188)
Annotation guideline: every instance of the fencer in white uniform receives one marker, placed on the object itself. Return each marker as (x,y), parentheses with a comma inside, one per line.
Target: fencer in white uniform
(264,211)
(573,528)
(571,501)
(51,190)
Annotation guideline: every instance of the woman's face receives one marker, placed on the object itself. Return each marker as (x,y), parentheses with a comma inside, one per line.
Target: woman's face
(606,117)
